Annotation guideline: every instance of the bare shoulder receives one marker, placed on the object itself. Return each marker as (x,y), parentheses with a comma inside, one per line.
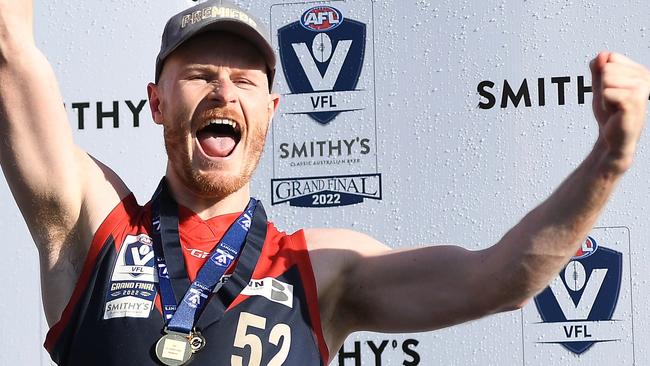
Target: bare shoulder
(335,254)
(343,239)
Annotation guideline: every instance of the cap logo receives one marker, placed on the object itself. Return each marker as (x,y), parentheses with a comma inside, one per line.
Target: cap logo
(216,12)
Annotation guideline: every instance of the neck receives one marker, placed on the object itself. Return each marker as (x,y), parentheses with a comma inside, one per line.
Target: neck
(207,207)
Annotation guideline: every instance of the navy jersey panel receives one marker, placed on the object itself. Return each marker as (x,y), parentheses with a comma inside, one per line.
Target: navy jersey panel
(114,316)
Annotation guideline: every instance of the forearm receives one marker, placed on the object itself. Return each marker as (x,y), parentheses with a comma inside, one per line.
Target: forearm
(533,252)
(37,153)
(33,122)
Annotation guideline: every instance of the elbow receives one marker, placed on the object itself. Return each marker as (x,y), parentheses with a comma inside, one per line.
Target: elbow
(512,293)
(502,304)
(518,283)
(514,305)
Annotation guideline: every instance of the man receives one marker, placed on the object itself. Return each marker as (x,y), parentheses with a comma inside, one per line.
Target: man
(110,300)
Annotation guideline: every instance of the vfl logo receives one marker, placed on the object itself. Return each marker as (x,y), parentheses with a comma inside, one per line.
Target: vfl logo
(322,55)
(132,288)
(585,292)
(139,256)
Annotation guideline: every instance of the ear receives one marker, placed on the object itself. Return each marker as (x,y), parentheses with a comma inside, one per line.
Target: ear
(274,102)
(153,91)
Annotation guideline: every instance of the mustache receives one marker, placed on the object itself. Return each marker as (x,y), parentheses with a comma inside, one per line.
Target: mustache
(217,113)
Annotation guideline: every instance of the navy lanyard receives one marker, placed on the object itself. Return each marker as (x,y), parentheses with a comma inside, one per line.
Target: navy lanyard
(164,212)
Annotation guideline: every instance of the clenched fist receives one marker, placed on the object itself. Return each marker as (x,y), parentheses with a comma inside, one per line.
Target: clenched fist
(620,90)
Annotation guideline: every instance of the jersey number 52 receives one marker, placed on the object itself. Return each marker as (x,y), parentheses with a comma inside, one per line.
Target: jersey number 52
(280,332)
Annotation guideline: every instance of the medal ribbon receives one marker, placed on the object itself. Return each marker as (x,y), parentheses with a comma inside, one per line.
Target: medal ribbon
(182,317)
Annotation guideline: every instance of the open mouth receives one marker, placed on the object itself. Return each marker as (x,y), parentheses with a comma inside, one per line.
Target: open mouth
(219,137)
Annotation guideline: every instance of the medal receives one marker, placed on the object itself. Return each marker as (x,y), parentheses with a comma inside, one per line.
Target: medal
(197,341)
(174,349)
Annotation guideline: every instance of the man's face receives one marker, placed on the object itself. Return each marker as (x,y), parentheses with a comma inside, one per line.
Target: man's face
(214,103)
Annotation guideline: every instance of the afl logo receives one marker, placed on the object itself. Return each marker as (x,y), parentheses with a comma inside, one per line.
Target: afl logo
(588,248)
(321,18)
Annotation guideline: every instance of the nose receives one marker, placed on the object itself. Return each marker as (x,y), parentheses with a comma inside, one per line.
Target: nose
(223,92)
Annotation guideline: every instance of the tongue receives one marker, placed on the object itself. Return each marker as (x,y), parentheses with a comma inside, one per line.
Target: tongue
(216,145)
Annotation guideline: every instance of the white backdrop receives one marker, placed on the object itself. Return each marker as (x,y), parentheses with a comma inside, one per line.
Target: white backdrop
(451,171)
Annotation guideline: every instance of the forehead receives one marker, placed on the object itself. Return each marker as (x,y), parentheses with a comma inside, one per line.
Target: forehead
(218,49)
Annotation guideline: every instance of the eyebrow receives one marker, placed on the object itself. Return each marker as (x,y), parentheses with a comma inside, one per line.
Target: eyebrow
(211,67)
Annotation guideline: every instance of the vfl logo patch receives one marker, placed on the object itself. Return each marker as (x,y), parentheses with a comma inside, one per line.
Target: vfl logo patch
(322,56)
(135,259)
(133,281)
(586,292)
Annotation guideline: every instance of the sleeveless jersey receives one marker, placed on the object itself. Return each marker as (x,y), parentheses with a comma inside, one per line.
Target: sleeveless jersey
(114,315)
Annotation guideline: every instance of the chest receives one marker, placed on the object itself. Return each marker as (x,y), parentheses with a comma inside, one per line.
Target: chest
(120,320)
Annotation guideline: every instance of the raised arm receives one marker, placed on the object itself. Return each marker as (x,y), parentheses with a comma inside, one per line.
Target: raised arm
(365,286)
(63,193)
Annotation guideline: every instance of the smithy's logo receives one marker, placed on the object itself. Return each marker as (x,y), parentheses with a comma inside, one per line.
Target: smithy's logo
(584,293)
(322,56)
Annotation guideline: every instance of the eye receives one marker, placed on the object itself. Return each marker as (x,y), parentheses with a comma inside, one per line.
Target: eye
(243,81)
(200,77)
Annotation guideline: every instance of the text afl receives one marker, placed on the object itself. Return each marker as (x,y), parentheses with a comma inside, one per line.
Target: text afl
(321,18)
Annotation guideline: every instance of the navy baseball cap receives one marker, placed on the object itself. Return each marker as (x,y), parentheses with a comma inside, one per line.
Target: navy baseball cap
(215,15)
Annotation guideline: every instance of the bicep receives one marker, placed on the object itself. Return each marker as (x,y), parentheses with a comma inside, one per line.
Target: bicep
(418,289)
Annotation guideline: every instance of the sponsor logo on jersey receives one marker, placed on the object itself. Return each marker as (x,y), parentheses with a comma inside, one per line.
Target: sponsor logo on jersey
(580,302)
(272,289)
(197,253)
(133,280)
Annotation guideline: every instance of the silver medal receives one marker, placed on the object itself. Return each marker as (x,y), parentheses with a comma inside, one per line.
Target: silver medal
(174,349)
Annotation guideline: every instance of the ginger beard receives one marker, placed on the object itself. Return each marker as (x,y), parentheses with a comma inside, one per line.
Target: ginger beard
(210,179)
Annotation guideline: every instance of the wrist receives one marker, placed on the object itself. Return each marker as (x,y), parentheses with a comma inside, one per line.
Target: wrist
(608,162)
